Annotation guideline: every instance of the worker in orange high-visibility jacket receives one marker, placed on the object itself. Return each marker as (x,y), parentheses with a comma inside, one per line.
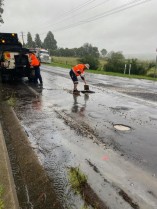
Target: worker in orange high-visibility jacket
(78,70)
(35,63)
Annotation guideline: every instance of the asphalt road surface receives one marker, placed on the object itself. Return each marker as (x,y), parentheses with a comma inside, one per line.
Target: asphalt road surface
(129,102)
(111,135)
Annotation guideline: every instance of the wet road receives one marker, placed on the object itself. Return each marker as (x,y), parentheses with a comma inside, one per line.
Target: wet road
(131,102)
(67,130)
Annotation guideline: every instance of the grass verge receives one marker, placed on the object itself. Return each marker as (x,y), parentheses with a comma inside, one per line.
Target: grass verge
(102,72)
(77,179)
(11,101)
(79,183)
(1,200)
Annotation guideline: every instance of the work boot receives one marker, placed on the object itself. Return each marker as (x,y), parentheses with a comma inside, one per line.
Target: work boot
(76,91)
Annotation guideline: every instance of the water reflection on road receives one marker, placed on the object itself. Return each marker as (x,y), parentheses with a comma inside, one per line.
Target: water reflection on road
(78,108)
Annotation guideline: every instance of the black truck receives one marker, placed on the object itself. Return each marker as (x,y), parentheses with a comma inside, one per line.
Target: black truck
(14,59)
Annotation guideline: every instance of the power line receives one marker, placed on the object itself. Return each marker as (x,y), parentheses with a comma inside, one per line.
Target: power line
(74,15)
(115,10)
(107,13)
(77,13)
(71,11)
(118,9)
(79,7)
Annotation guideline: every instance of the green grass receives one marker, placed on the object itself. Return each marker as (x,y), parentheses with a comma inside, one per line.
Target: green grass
(149,76)
(77,179)
(65,61)
(11,101)
(69,62)
(84,207)
(151,72)
(1,200)
(122,75)
(61,65)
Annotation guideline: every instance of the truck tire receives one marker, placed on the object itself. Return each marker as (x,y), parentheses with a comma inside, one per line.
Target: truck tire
(3,79)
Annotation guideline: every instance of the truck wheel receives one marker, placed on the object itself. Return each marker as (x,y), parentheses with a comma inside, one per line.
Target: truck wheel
(3,79)
(30,79)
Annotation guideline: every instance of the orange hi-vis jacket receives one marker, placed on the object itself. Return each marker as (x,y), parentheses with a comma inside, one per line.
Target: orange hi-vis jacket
(79,69)
(34,60)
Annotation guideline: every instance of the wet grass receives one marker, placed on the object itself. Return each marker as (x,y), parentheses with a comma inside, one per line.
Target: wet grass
(77,179)
(11,101)
(80,185)
(1,200)
(84,207)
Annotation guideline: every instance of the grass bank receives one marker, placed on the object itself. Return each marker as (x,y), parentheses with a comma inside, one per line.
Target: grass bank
(69,62)
(1,200)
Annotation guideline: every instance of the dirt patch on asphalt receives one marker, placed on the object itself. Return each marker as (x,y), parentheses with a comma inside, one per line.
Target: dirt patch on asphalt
(91,198)
(125,196)
(121,192)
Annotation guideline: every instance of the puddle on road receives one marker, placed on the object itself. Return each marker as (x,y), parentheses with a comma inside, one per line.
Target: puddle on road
(121,127)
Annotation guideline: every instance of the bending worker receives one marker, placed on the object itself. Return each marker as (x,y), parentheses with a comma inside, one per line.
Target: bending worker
(35,63)
(78,70)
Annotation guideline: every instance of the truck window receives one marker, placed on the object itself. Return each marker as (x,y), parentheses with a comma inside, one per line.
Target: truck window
(44,52)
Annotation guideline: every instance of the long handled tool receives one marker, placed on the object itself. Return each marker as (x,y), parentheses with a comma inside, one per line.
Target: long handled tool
(86,89)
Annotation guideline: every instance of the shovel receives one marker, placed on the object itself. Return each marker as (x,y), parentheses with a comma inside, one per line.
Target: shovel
(86,89)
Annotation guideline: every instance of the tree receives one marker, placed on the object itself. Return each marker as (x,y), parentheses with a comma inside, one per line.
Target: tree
(91,60)
(138,67)
(116,62)
(38,42)
(1,11)
(103,52)
(30,42)
(88,50)
(49,42)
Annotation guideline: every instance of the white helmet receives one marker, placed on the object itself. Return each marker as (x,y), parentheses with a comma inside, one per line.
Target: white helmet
(87,66)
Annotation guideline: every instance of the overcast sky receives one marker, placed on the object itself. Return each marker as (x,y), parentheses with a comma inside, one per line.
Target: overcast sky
(116,25)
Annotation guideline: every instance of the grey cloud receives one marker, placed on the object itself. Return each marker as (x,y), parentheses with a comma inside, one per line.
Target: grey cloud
(131,30)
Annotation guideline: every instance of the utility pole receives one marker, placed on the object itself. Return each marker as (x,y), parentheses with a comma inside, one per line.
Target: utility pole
(124,69)
(22,38)
(155,71)
(129,68)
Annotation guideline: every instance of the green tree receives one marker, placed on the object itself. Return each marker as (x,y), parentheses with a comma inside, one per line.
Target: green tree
(116,62)
(138,67)
(38,42)
(91,60)
(103,52)
(30,42)
(1,11)
(49,42)
(88,50)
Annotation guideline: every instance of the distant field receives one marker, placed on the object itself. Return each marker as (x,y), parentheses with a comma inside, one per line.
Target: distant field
(68,62)
(71,61)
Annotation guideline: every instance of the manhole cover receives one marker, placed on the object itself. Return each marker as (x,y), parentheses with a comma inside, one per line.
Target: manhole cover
(121,127)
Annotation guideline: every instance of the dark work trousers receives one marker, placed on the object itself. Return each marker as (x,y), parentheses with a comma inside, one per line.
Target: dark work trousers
(37,74)
(73,76)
